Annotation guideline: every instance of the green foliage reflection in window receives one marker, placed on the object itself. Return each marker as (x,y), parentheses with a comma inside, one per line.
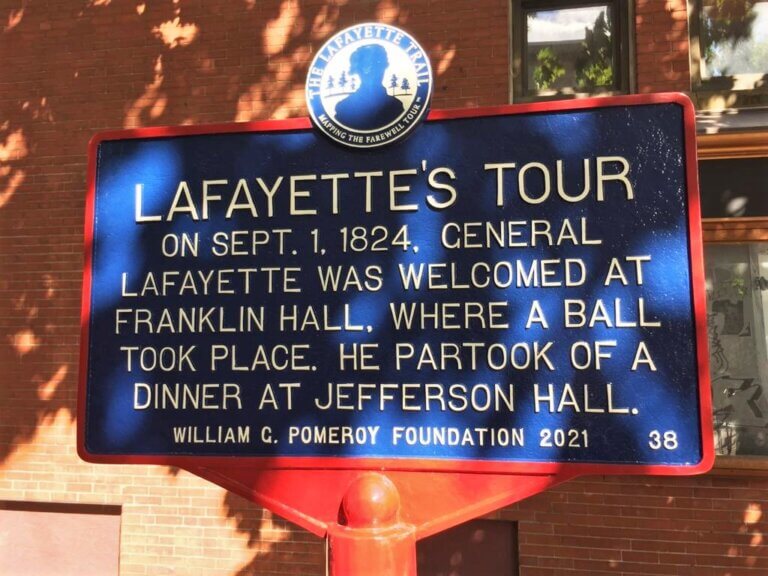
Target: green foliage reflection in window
(570,49)
(594,65)
(548,69)
(734,37)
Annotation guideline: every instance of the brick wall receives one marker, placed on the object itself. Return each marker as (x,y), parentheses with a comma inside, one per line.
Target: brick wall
(712,525)
(661,46)
(72,68)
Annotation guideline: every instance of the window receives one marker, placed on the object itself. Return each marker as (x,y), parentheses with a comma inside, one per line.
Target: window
(734,185)
(729,46)
(569,48)
(62,539)
(475,548)
(737,315)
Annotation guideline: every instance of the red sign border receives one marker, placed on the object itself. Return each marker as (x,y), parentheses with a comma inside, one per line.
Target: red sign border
(695,246)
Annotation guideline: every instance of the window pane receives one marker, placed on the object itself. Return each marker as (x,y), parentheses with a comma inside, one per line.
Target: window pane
(476,548)
(570,48)
(737,313)
(734,37)
(734,187)
(59,539)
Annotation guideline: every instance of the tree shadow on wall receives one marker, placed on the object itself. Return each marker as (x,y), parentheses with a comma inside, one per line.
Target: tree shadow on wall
(276,542)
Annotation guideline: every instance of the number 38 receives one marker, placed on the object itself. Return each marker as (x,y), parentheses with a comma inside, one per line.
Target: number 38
(666,440)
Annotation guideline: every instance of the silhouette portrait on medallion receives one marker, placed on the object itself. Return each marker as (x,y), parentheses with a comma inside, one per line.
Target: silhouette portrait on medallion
(369,107)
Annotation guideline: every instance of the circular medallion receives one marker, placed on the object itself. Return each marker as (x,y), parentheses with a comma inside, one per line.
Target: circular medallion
(369,85)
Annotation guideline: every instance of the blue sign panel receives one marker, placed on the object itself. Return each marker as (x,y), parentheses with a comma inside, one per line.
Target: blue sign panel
(514,288)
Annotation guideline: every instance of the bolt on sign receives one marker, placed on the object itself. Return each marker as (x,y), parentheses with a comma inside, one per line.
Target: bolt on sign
(485,303)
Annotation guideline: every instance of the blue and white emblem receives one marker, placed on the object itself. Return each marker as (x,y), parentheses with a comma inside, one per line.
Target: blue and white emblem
(369,85)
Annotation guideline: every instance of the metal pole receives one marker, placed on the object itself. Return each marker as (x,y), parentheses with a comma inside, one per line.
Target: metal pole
(369,539)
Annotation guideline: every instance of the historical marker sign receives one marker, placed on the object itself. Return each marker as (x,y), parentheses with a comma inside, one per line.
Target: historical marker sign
(517,289)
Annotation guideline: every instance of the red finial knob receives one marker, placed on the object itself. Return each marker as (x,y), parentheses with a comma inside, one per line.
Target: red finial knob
(372,500)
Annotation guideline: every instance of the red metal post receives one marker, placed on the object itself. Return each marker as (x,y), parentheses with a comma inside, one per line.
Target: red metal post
(369,539)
